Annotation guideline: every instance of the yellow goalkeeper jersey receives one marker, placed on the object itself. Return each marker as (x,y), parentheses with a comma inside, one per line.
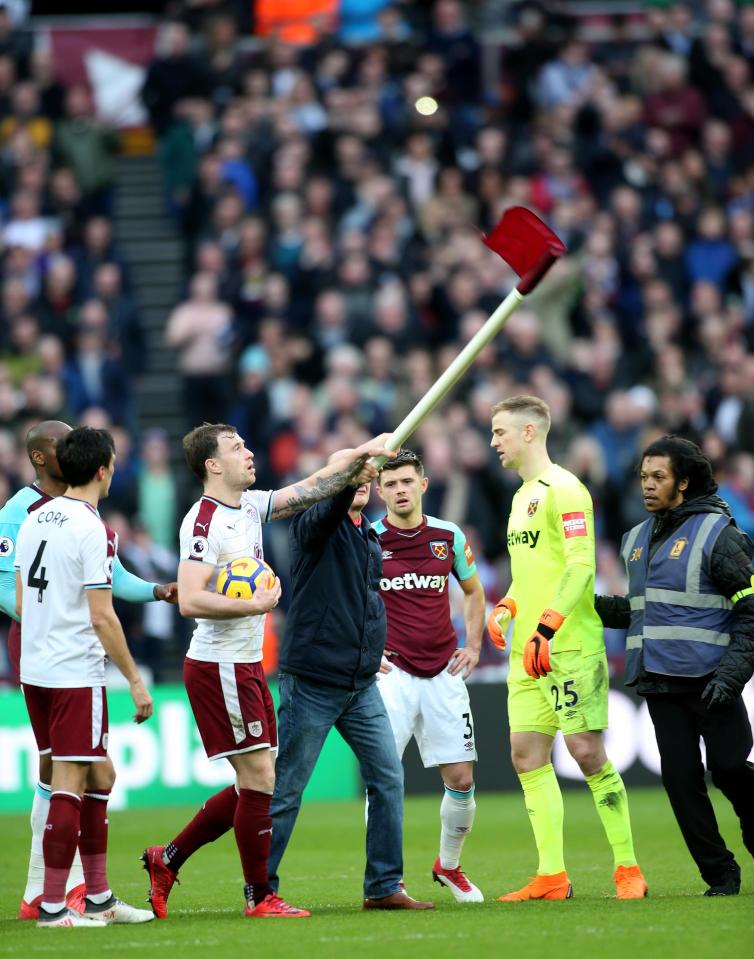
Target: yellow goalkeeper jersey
(552,525)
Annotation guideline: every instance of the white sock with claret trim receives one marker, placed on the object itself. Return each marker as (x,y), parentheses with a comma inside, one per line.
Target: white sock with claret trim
(457,811)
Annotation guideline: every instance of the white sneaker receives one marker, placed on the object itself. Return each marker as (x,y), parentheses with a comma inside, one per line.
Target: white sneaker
(458,882)
(67,918)
(116,911)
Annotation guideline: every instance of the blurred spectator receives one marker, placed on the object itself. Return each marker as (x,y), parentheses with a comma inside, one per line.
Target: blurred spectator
(25,228)
(97,248)
(676,107)
(57,300)
(360,20)
(151,627)
(88,147)
(173,75)
(157,489)
(200,329)
(737,489)
(569,79)
(95,375)
(123,320)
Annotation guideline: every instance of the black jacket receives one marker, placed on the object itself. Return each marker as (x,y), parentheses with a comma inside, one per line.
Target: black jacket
(336,626)
(731,571)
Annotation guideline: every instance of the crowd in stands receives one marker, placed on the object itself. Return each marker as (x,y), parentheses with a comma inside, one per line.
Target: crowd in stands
(333,257)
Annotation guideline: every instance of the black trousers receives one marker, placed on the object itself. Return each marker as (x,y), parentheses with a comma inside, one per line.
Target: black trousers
(680,721)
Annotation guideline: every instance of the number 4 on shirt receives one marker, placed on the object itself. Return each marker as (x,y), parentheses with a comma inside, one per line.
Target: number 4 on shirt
(38,581)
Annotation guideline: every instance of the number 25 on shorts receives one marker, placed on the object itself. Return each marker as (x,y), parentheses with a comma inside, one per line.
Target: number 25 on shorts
(564,696)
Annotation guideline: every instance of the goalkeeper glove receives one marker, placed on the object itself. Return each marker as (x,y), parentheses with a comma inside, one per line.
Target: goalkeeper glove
(537,648)
(500,620)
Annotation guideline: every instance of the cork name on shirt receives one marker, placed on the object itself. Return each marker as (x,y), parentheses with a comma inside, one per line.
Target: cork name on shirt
(526,537)
(414,581)
(52,516)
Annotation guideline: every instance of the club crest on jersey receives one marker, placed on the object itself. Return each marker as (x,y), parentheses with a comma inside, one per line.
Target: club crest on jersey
(531,509)
(6,546)
(439,548)
(255,729)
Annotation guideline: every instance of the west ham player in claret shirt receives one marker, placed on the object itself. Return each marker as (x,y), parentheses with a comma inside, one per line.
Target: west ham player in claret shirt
(223,671)
(423,671)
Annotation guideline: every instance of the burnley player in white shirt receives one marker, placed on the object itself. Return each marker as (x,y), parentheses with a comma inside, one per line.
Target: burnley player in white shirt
(64,566)
(48,483)
(423,670)
(223,672)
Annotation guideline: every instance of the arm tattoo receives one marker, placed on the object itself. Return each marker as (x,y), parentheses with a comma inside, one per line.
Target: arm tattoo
(306,494)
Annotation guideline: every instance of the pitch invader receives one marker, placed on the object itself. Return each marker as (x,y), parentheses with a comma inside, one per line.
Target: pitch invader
(48,483)
(223,670)
(558,677)
(423,672)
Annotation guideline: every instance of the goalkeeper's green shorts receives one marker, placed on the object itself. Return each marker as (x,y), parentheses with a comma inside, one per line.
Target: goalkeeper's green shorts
(572,698)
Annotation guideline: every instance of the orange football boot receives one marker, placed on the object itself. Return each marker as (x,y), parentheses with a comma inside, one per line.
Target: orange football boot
(555,886)
(629,883)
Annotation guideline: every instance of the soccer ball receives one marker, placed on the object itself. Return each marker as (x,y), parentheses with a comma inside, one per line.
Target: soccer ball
(240,578)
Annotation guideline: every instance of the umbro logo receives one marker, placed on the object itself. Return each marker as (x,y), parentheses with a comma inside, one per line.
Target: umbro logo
(387,554)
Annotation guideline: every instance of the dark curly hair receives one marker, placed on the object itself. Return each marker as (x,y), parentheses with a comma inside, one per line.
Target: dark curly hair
(687,463)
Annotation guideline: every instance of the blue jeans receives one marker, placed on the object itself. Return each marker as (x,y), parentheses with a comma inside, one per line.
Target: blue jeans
(307,713)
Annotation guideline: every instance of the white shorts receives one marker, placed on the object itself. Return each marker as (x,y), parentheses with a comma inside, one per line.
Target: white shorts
(436,711)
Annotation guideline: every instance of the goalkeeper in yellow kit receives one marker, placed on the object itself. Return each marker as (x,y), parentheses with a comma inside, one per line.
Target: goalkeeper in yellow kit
(558,676)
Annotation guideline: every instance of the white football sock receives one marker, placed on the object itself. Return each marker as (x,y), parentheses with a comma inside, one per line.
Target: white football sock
(99,897)
(40,809)
(457,811)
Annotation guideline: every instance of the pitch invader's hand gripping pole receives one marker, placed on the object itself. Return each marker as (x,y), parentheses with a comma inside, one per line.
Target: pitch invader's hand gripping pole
(529,247)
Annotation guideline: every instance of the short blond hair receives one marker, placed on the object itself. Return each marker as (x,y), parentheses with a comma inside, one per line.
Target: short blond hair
(530,406)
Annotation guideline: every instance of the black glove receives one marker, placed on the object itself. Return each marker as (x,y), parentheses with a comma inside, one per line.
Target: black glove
(717,694)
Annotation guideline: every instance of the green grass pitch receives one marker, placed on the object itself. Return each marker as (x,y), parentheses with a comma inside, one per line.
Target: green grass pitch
(323,871)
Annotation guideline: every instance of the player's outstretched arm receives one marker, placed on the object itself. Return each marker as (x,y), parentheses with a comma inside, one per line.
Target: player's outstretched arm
(349,467)
(110,633)
(133,589)
(198,602)
(465,659)
(614,611)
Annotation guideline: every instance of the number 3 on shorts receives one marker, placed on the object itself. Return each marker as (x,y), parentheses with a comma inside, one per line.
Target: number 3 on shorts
(569,695)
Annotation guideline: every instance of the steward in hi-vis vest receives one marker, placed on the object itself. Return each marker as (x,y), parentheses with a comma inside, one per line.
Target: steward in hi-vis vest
(689,616)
